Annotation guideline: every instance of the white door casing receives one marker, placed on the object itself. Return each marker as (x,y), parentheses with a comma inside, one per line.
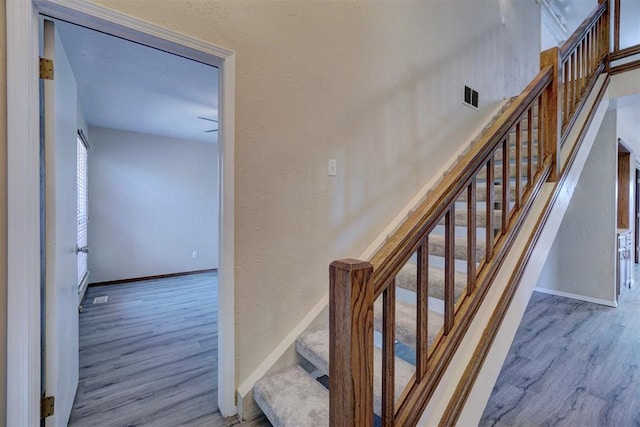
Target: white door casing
(23,193)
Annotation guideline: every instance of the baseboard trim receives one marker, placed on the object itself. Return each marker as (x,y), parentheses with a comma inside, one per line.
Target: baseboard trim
(159,276)
(576,297)
(82,289)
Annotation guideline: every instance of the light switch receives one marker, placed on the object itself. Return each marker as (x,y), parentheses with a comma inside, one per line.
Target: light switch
(333,167)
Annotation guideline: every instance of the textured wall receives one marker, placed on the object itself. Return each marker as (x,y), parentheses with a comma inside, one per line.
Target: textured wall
(628,128)
(375,85)
(582,259)
(152,202)
(625,84)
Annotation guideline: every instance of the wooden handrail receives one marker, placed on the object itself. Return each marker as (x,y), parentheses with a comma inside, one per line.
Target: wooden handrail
(412,236)
(580,32)
(395,252)
(633,65)
(623,53)
(472,371)
(580,62)
(548,107)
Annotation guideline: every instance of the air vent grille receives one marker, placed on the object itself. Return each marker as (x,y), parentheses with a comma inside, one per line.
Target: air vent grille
(101,300)
(471,97)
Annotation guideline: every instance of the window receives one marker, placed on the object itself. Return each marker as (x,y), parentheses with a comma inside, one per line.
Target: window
(82,147)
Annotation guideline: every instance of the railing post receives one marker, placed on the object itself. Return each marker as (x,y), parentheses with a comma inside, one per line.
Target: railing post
(607,28)
(616,25)
(351,301)
(551,133)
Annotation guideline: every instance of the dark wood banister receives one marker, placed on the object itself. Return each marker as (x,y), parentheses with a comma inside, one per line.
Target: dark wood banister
(395,252)
(431,370)
(358,284)
(580,60)
(464,387)
(623,53)
(578,35)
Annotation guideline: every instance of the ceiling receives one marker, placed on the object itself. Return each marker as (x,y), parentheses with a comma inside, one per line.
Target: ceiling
(127,86)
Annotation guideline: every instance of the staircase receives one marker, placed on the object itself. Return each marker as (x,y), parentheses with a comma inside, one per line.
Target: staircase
(396,321)
(306,401)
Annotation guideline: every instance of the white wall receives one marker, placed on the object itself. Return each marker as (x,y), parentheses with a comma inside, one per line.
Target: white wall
(581,262)
(554,26)
(629,125)
(82,120)
(152,202)
(376,86)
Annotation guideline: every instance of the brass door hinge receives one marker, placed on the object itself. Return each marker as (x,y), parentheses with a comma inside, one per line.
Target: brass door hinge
(46,406)
(46,69)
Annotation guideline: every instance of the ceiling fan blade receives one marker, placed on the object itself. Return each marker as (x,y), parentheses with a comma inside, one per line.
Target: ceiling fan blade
(212,130)
(208,119)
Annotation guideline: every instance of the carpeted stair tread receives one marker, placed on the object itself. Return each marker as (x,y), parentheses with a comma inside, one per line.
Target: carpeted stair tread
(461,218)
(407,279)
(481,192)
(482,175)
(406,329)
(437,247)
(292,398)
(512,152)
(313,345)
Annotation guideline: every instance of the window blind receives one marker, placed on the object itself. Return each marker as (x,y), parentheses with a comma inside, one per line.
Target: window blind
(83,204)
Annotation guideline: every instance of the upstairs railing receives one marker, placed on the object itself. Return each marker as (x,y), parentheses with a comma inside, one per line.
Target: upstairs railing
(489,192)
(631,46)
(581,59)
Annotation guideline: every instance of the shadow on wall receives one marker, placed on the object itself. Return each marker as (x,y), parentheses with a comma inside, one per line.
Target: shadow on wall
(407,132)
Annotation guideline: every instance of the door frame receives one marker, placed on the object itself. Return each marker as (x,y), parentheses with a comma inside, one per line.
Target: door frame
(23,188)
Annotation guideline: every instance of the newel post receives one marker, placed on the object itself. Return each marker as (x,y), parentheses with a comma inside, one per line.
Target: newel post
(552,112)
(351,343)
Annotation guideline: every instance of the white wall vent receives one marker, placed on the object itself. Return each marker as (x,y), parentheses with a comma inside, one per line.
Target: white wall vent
(471,97)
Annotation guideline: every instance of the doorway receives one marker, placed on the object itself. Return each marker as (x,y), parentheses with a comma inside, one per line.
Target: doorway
(625,190)
(153,212)
(23,358)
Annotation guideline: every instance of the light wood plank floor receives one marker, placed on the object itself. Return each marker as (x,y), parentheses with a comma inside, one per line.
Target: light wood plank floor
(572,363)
(148,357)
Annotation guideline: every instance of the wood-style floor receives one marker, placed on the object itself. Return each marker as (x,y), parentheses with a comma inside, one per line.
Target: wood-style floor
(148,357)
(572,363)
